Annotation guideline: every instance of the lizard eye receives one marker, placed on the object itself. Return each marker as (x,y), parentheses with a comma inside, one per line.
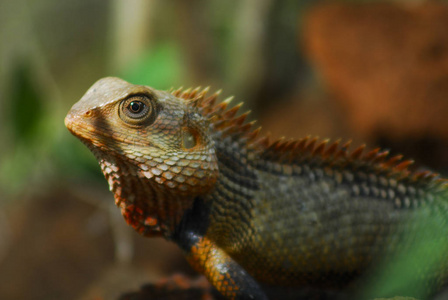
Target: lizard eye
(136,110)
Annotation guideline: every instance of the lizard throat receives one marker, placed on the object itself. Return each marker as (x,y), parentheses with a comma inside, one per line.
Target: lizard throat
(148,207)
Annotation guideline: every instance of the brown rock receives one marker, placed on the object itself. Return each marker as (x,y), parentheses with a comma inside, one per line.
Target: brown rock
(386,63)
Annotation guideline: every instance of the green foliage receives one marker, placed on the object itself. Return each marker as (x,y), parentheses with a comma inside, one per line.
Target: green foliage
(25,104)
(24,113)
(74,159)
(408,273)
(38,146)
(160,67)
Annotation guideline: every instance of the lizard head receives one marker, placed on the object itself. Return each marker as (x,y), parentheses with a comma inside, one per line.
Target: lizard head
(153,147)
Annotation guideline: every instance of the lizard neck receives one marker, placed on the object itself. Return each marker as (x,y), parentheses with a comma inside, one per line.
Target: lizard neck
(150,208)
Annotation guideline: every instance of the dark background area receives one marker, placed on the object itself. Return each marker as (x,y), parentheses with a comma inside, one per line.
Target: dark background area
(375,72)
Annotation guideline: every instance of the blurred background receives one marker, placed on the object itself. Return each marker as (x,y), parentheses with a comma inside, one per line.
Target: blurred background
(376,72)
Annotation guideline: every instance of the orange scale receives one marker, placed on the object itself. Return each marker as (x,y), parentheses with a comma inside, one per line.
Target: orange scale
(150,221)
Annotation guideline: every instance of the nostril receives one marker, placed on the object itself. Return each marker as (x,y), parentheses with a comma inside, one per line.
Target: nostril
(88,113)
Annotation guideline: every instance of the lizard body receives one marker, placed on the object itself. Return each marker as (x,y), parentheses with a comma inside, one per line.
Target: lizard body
(250,213)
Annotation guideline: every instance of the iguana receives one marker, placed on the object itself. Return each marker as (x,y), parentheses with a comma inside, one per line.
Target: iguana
(250,213)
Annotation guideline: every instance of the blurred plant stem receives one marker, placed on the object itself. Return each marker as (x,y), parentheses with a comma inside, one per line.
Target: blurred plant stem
(246,68)
(195,32)
(130,34)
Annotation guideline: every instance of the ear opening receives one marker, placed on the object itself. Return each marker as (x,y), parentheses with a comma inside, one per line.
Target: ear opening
(190,138)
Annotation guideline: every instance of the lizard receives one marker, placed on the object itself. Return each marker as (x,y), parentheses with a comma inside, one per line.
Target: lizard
(250,212)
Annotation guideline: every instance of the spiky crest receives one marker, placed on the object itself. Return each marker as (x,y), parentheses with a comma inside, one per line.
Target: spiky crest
(295,151)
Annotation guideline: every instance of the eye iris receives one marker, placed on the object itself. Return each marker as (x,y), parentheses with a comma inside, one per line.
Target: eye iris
(137,110)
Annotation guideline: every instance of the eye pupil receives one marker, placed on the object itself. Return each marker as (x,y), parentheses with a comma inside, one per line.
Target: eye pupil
(136,106)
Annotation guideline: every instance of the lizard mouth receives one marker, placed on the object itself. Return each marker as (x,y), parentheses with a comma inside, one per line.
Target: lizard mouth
(69,122)
(87,135)
(78,128)
(93,136)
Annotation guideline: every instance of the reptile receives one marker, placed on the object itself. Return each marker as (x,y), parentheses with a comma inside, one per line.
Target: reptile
(251,213)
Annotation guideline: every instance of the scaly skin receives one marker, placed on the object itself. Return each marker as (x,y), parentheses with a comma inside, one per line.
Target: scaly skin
(249,213)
